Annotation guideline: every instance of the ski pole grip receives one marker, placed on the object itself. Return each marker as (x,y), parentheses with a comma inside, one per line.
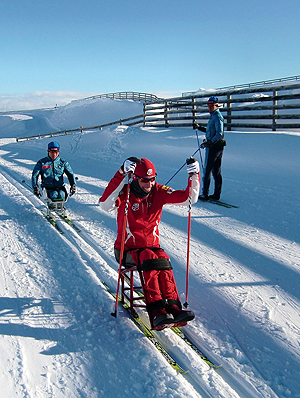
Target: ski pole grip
(190,160)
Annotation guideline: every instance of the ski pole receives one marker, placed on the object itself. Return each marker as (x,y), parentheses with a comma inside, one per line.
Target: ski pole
(30,187)
(188,240)
(201,161)
(26,183)
(122,244)
(180,168)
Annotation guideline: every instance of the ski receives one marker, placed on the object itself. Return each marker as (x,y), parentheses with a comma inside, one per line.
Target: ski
(224,204)
(180,333)
(53,222)
(69,221)
(221,203)
(147,332)
(193,346)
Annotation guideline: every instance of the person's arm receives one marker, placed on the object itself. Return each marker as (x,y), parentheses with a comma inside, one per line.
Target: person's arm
(69,173)
(181,197)
(110,195)
(219,128)
(35,173)
(108,200)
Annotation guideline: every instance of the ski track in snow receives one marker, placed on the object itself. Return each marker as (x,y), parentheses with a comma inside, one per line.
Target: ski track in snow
(56,331)
(57,377)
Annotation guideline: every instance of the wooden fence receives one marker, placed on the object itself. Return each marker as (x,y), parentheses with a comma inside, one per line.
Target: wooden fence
(269,107)
(127,95)
(130,121)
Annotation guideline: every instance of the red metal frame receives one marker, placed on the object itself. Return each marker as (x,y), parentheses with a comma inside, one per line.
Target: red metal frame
(128,289)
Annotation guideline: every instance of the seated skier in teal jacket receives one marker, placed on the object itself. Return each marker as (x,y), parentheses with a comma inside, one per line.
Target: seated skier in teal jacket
(51,169)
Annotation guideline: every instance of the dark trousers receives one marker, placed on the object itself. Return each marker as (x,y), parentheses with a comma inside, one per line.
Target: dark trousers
(213,162)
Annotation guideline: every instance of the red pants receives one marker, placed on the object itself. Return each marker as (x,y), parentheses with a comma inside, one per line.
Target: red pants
(158,284)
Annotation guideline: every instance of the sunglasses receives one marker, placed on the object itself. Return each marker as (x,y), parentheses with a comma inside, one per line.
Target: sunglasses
(145,179)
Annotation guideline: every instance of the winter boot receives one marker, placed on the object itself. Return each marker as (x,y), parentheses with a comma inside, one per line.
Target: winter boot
(215,196)
(204,198)
(160,317)
(179,314)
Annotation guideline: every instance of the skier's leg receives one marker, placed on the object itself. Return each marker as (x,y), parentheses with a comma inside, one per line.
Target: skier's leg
(52,194)
(151,266)
(217,174)
(209,162)
(162,290)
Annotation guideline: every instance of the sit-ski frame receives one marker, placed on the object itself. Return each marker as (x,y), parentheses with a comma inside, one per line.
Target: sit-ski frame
(57,206)
(127,277)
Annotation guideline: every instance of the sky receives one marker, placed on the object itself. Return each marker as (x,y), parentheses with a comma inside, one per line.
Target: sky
(52,51)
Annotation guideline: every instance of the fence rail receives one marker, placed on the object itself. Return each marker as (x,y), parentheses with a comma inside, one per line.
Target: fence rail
(255,107)
(130,122)
(254,84)
(127,95)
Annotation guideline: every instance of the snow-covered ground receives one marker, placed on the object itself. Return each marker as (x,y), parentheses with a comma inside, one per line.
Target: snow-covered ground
(57,337)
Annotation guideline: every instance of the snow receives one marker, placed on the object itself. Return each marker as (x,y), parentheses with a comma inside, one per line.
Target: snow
(18,117)
(57,337)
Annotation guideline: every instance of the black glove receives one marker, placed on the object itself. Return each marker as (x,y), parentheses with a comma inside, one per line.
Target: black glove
(206,144)
(36,191)
(197,126)
(72,189)
(134,159)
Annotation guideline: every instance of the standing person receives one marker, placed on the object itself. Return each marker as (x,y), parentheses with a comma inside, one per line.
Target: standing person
(214,144)
(146,200)
(51,169)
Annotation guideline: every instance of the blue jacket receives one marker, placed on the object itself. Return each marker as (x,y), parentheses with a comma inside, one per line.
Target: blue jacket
(52,172)
(215,127)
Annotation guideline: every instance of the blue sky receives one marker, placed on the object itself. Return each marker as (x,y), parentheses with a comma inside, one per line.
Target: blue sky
(168,46)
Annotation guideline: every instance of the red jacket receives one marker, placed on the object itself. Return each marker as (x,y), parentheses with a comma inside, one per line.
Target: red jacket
(144,214)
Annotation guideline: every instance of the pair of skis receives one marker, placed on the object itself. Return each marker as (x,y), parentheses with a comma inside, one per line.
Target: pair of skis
(159,346)
(53,217)
(222,204)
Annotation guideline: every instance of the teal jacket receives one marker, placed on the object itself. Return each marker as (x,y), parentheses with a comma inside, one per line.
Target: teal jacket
(51,172)
(215,127)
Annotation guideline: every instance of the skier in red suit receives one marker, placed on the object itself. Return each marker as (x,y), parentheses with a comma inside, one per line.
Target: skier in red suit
(142,248)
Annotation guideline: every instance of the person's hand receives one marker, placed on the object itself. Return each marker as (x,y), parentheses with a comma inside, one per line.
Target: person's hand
(197,126)
(37,191)
(192,166)
(206,144)
(72,189)
(130,164)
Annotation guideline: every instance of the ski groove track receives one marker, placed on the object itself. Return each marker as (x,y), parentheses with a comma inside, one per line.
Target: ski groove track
(99,264)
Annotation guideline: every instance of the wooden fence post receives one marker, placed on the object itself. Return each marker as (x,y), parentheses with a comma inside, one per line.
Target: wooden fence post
(228,112)
(194,108)
(166,114)
(274,111)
